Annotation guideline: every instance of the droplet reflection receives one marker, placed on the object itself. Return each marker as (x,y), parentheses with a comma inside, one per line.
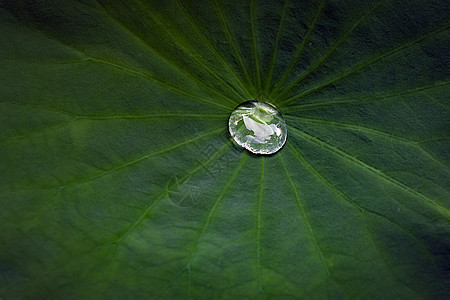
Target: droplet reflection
(258,127)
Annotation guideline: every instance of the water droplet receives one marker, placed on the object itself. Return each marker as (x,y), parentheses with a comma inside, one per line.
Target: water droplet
(258,127)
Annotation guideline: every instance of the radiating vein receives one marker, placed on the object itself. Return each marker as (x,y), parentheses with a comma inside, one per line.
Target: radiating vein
(444,138)
(435,100)
(371,131)
(194,57)
(372,170)
(182,180)
(152,116)
(287,72)
(310,230)
(118,116)
(151,205)
(254,42)
(161,83)
(208,220)
(366,64)
(360,100)
(26,136)
(128,164)
(137,160)
(350,126)
(90,58)
(133,269)
(152,79)
(275,48)
(236,53)
(118,241)
(362,210)
(39,107)
(213,49)
(76,118)
(258,230)
(46,62)
(164,58)
(332,49)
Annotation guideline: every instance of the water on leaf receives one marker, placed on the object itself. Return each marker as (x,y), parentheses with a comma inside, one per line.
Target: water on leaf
(258,127)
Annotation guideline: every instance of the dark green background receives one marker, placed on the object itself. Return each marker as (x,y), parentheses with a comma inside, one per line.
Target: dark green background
(118,180)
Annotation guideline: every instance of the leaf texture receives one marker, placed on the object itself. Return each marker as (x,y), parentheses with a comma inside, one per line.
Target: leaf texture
(118,179)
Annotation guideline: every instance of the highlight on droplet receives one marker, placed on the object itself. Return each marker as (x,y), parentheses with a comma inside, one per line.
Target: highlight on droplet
(258,127)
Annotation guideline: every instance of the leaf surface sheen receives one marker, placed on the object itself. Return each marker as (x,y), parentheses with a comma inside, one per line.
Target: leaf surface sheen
(118,179)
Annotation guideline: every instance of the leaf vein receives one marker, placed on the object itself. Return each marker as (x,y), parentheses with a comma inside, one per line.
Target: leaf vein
(255,51)
(311,231)
(333,48)
(275,48)
(220,13)
(300,47)
(165,59)
(367,100)
(363,210)
(366,64)
(213,49)
(207,222)
(374,171)
(258,230)
(414,144)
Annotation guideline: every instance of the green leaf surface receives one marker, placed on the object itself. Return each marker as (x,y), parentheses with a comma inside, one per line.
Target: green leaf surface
(118,179)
